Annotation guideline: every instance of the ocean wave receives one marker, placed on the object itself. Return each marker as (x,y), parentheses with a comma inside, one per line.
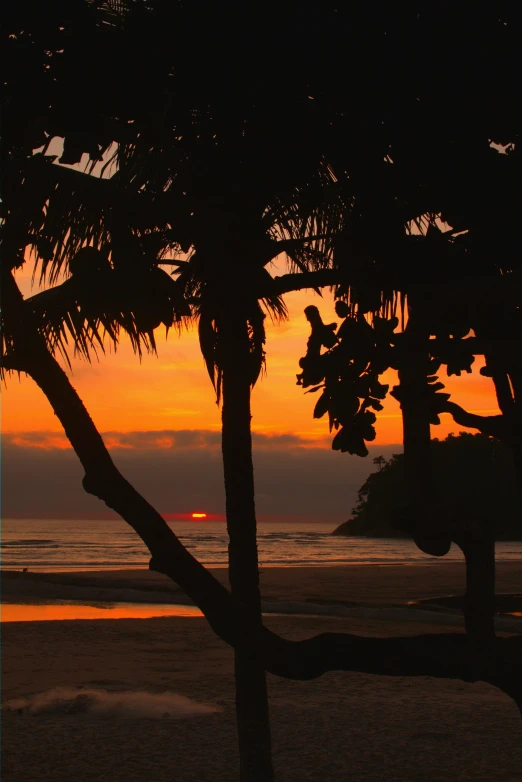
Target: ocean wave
(96,545)
(77,564)
(277,535)
(39,542)
(103,545)
(202,538)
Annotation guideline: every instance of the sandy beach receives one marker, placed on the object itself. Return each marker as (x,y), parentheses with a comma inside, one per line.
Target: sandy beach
(340,726)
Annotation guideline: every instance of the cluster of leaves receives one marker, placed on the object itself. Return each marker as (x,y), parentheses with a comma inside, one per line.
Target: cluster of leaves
(427,394)
(347,373)
(449,314)
(456,354)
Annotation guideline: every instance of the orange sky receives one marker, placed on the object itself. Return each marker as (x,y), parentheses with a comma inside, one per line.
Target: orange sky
(173,391)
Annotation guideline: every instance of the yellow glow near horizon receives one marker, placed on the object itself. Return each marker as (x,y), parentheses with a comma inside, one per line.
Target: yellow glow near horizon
(199,515)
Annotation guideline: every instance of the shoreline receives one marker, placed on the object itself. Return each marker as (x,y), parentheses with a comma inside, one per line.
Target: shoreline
(112,569)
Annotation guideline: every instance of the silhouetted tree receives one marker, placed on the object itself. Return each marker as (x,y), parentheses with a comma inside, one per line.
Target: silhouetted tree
(194,159)
(139,214)
(380,461)
(346,378)
(476,478)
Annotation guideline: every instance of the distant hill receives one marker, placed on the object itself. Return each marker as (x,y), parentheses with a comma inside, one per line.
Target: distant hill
(475,476)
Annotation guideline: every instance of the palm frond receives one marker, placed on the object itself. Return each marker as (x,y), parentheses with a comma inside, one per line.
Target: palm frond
(309,220)
(84,312)
(276,308)
(74,324)
(257,339)
(58,211)
(209,344)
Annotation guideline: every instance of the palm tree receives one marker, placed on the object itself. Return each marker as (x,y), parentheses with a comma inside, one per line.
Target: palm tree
(228,290)
(209,184)
(171,204)
(80,209)
(232,336)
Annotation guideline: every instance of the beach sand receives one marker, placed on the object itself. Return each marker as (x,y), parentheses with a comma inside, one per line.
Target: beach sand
(338,727)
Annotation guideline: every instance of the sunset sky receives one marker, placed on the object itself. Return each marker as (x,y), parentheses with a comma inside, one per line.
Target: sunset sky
(172,390)
(165,407)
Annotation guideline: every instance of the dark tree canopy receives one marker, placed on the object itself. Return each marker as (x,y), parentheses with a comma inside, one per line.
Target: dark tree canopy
(477,483)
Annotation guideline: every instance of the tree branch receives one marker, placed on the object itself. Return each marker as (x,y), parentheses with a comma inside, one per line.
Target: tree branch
(492,425)
(298,281)
(437,655)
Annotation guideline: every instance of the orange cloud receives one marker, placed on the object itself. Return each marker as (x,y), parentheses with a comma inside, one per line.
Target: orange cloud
(45,440)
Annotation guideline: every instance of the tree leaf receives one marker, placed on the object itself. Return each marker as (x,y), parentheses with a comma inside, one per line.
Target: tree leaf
(322,405)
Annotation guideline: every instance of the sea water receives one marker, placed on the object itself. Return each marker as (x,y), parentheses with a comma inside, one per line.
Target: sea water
(41,544)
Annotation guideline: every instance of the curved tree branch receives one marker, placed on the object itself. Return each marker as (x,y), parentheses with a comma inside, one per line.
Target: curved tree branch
(492,425)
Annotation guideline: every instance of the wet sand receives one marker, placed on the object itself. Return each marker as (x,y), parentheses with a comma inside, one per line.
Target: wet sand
(371,585)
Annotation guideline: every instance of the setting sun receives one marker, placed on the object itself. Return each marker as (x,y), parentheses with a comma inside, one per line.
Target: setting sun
(199,515)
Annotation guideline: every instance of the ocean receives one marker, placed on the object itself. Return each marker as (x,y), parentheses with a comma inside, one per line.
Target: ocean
(54,545)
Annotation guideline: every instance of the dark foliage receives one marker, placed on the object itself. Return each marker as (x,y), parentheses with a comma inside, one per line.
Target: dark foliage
(347,374)
(329,133)
(477,482)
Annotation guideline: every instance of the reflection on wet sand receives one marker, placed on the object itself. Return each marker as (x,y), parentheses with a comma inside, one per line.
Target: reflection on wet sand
(13,612)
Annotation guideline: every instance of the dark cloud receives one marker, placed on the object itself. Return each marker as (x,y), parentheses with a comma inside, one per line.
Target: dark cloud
(194,438)
(162,439)
(179,471)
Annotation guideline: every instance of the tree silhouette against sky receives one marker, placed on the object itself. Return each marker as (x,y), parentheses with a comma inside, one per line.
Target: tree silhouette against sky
(223,156)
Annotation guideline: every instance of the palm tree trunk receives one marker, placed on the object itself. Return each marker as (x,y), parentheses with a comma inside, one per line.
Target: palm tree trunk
(479,601)
(252,711)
